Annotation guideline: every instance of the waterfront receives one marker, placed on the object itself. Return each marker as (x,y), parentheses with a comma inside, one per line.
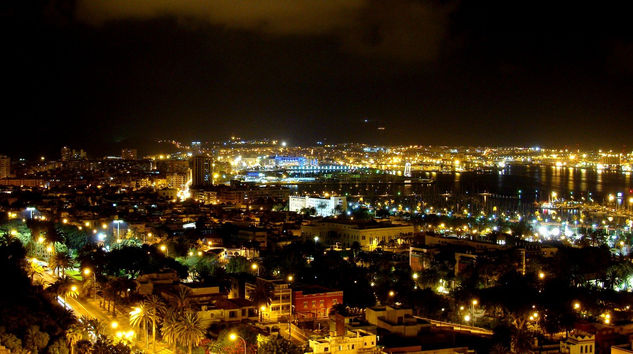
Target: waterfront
(512,188)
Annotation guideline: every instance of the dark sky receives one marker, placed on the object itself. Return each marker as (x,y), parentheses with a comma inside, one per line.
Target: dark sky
(100,74)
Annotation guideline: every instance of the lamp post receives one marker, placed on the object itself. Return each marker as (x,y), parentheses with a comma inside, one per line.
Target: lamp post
(233,337)
(255,267)
(118,226)
(87,272)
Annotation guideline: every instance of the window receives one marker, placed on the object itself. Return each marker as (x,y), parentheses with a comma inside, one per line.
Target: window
(352,346)
(334,302)
(582,348)
(305,304)
(326,349)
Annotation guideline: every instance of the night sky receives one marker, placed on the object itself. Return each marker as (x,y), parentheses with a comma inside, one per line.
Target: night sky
(101,74)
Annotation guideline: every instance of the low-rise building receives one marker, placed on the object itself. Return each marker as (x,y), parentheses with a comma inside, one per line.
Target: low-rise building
(323,206)
(280,304)
(578,342)
(370,235)
(395,320)
(147,282)
(227,310)
(313,301)
(351,342)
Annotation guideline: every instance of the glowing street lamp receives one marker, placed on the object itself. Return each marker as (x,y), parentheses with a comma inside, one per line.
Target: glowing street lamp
(255,267)
(576,305)
(262,309)
(87,272)
(30,210)
(392,293)
(233,337)
(541,275)
(118,226)
(290,278)
(114,324)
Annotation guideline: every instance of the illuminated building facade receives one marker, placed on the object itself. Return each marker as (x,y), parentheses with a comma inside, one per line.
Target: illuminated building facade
(129,154)
(322,206)
(202,171)
(313,301)
(5,166)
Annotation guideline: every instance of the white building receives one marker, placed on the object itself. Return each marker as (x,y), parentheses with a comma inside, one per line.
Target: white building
(578,343)
(323,206)
(356,341)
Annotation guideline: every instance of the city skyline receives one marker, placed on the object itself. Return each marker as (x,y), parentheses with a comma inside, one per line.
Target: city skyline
(316,176)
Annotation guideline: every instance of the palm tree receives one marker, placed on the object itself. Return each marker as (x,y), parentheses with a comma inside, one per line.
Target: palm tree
(141,318)
(73,335)
(155,306)
(188,330)
(168,330)
(262,295)
(92,326)
(62,287)
(60,262)
(181,300)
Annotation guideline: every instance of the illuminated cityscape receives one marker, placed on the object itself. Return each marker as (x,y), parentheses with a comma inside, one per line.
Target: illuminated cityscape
(424,177)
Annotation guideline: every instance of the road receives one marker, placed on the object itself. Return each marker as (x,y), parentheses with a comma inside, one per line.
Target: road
(89,307)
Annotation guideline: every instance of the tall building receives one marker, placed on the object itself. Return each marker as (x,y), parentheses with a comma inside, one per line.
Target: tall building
(68,154)
(196,147)
(5,166)
(176,180)
(201,171)
(129,154)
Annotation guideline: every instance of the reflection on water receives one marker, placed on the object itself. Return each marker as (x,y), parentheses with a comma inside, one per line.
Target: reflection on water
(527,183)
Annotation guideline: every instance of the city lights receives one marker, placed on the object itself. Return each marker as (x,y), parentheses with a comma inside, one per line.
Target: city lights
(316,177)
